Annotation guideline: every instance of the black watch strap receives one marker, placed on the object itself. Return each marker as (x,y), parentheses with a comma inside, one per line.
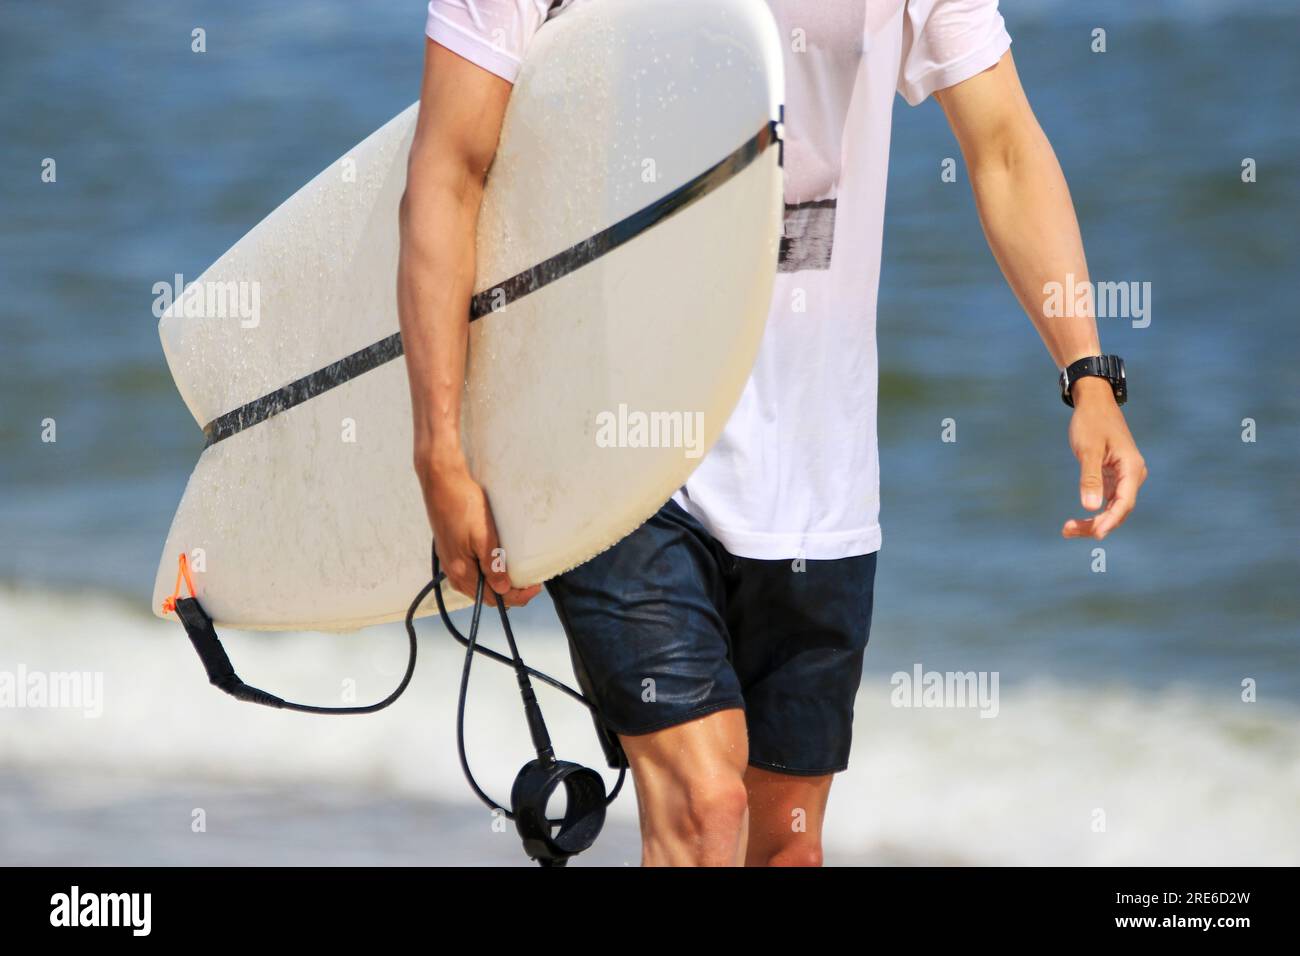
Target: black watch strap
(1109,367)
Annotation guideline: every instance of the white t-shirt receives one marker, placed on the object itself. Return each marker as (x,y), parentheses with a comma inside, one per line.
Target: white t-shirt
(796,471)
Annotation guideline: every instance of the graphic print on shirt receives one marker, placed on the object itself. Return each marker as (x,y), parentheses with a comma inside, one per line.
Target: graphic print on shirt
(823,48)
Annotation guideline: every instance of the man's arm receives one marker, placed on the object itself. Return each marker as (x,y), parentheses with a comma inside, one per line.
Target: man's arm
(1028,217)
(462,107)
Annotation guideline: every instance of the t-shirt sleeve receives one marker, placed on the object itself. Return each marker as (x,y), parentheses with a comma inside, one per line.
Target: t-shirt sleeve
(490,33)
(947,41)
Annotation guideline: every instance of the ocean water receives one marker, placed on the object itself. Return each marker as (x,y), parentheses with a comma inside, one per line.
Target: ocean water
(1120,692)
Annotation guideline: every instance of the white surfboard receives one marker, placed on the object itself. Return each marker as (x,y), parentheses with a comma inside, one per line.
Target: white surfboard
(627,248)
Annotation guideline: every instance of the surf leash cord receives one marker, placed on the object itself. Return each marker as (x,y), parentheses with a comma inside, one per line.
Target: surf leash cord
(549,841)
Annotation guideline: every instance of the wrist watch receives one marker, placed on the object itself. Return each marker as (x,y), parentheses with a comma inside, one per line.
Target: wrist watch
(1109,367)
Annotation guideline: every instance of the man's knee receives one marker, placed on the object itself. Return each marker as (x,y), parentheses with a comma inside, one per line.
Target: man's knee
(798,852)
(716,805)
(690,784)
(701,826)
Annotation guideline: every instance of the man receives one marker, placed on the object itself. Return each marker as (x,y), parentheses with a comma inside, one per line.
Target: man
(746,600)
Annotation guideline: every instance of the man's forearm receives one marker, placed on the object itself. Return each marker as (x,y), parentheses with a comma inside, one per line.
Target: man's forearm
(1024,203)
(1029,221)
(461,111)
(434,283)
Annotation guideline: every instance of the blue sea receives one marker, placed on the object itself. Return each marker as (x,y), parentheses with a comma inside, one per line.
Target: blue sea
(1161,696)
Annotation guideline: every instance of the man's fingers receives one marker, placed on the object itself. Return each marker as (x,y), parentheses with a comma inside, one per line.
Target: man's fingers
(463,569)
(461,573)
(492,560)
(512,597)
(493,564)
(1090,483)
(1078,528)
(1118,509)
(1121,504)
(1124,498)
(518,597)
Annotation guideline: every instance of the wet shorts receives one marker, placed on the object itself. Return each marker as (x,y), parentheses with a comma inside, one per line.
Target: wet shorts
(668,626)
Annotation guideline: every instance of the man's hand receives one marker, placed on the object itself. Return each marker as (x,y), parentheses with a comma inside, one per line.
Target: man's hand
(1111,469)
(464,534)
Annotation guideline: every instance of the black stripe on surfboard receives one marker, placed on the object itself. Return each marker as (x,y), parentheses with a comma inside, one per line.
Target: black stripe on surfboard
(499,295)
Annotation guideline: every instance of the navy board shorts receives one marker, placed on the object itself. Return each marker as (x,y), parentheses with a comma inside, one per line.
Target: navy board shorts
(667,626)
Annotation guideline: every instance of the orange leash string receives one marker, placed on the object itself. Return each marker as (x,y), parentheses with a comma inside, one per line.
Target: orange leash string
(182,572)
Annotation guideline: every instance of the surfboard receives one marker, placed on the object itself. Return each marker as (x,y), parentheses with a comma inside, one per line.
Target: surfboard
(627,246)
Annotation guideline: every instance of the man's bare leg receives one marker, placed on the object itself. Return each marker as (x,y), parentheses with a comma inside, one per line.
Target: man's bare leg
(785,818)
(690,789)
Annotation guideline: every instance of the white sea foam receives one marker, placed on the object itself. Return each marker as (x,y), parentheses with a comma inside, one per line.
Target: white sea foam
(1178,776)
